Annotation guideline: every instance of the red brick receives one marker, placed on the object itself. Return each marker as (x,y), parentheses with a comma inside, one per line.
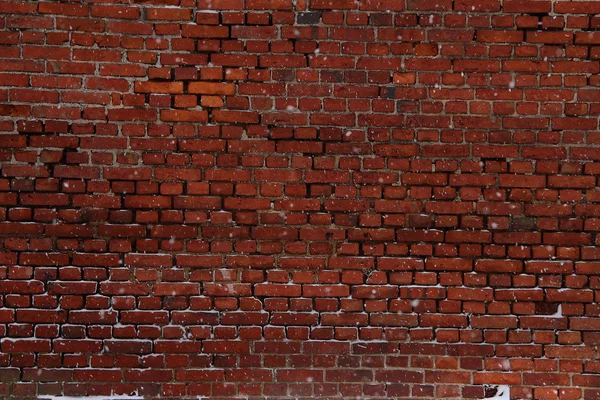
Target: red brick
(159,87)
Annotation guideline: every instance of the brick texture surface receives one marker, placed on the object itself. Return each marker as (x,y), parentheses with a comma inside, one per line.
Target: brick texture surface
(300,199)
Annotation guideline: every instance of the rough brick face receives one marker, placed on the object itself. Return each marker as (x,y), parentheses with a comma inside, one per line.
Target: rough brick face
(300,199)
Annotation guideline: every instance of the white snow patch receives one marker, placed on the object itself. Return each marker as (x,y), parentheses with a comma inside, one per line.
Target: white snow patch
(558,312)
(503,393)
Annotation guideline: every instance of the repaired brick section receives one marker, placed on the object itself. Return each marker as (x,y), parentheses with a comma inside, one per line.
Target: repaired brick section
(300,199)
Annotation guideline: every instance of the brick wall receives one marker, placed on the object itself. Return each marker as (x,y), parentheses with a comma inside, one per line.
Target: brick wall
(300,198)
